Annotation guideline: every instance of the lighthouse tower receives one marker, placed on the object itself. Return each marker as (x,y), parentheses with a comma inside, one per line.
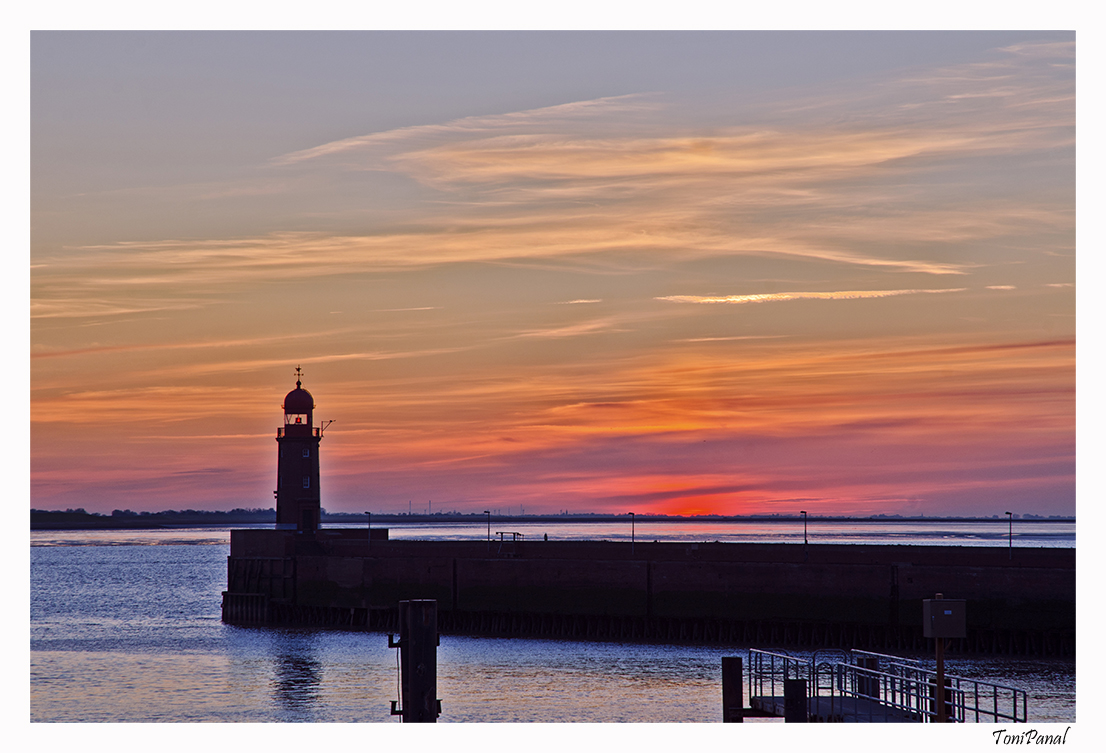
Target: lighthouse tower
(297,492)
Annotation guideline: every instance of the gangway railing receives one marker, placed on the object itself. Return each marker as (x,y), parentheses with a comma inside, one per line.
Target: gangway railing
(967,699)
(857,653)
(769,669)
(872,687)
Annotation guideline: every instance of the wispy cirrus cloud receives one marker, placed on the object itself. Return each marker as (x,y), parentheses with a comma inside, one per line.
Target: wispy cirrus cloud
(479,125)
(572,330)
(835,295)
(113,306)
(611,176)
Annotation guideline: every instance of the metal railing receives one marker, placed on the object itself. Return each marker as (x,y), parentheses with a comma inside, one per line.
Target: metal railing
(966,699)
(857,653)
(889,688)
(768,670)
(872,695)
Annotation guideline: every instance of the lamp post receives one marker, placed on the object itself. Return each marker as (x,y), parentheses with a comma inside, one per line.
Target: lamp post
(489,514)
(806,553)
(370,529)
(1010,517)
(631,534)
(939,641)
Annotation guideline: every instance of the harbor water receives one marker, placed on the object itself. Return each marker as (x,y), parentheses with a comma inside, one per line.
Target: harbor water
(125,627)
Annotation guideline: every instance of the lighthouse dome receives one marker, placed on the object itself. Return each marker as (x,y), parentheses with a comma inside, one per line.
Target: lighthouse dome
(298,400)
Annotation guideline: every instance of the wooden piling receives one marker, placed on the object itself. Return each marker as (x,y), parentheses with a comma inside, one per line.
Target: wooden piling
(867,685)
(794,702)
(733,697)
(418,659)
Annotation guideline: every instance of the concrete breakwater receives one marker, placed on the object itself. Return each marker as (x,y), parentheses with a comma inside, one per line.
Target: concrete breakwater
(851,596)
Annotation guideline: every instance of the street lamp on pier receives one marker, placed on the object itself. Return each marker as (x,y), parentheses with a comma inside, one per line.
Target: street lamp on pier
(1010,518)
(631,534)
(489,514)
(806,552)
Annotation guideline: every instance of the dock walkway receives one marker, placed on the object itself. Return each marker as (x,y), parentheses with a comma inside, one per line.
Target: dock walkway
(863,686)
(839,709)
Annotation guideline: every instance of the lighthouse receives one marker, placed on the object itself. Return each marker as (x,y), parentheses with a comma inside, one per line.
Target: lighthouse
(297,492)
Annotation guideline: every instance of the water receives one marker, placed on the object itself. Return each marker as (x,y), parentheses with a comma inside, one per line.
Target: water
(914,533)
(125,627)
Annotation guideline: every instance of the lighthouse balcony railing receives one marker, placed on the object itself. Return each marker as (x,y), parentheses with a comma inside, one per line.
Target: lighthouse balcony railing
(280,431)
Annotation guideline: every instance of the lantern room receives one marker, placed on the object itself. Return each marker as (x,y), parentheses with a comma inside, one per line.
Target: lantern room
(298,407)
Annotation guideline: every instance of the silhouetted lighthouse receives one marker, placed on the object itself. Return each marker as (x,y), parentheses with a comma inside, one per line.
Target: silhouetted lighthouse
(297,492)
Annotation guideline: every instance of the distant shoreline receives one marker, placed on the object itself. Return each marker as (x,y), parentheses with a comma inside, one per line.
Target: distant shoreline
(60,521)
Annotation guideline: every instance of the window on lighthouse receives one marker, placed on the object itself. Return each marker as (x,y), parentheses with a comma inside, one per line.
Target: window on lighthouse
(306,482)
(295,419)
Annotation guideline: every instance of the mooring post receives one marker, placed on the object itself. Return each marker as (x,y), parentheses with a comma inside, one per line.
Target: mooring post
(418,660)
(867,685)
(733,697)
(942,618)
(942,717)
(794,701)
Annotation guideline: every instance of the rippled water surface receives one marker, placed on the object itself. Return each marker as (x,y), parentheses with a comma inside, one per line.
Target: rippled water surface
(125,627)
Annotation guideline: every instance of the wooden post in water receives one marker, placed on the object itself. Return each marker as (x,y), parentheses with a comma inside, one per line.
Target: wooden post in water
(733,700)
(418,659)
(794,701)
(942,717)
(867,685)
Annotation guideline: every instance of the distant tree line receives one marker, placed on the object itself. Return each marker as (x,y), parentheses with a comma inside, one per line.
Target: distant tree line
(80,518)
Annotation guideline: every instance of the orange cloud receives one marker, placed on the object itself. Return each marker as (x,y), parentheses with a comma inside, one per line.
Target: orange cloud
(837,295)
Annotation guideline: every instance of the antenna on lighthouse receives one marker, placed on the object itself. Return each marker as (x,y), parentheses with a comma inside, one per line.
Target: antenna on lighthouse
(299,373)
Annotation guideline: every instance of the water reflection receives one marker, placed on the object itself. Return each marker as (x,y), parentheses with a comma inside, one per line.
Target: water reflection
(297,673)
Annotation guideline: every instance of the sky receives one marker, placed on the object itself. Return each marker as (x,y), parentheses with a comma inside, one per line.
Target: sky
(661,272)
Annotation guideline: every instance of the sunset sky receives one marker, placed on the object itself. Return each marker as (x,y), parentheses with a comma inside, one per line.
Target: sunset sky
(714,272)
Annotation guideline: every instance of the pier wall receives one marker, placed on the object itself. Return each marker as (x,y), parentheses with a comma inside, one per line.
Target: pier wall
(735,587)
